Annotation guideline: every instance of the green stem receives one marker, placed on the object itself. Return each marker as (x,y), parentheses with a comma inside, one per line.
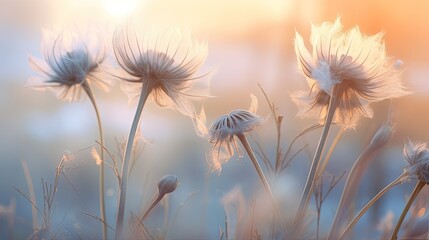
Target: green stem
(413,196)
(101,175)
(261,174)
(308,189)
(127,156)
(370,203)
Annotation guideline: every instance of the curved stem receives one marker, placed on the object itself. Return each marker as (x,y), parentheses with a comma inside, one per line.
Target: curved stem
(154,203)
(261,175)
(347,194)
(101,175)
(126,161)
(308,189)
(370,203)
(413,196)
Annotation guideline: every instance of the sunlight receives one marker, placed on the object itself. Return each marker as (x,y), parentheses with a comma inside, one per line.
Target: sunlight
(119,8)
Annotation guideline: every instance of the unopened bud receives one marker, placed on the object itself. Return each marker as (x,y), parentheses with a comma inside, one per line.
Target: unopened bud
(382,136)
(167,184)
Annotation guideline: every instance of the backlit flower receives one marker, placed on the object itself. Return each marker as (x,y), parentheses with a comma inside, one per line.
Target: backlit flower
(349,66)
(223,131)
(417,155)
(160,64)
(71,63)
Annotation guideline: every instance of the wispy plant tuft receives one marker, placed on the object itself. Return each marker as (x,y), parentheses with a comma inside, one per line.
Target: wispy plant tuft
(348,66)
(161,65)
(72,66)
(417,155)
(346,71)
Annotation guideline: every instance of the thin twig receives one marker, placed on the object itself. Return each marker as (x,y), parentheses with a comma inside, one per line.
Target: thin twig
(98,219)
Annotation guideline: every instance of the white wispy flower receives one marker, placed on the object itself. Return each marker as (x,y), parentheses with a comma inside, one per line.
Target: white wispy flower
(71,64)
(222,132)
(163,65)
(349,66)
(417,155)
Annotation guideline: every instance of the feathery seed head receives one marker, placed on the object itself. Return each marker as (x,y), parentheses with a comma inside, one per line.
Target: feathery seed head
(163,64)
(349,66)
(222,132)
(236,122)
(417,155)
(71,63)
(167,184)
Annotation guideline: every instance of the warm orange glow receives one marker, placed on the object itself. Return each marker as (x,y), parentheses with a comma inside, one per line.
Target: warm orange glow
(421,212)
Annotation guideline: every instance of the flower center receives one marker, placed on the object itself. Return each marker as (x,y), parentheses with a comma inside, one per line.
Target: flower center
(155,65)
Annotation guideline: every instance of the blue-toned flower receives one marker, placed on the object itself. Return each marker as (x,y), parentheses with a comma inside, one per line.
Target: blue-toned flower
(417,155)
(71,64)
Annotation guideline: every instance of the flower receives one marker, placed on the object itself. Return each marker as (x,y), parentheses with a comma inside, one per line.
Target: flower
(71,64)
(222,131)
(417,155)
(349,66)
(161,64)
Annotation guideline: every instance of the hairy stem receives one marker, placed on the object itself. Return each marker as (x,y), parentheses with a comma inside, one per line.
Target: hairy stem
(101,175)
(413,196)
(126,162)
(308,189)
(370,203)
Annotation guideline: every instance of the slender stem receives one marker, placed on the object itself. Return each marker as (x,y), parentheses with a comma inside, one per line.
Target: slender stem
(226,228)
(32,194)
(370,203)
(101,175)
(154,203)
(127,156)
(278,153)
(258,168)
(347,194)
(308,189)
(261,174)
(413,196)
(334,144)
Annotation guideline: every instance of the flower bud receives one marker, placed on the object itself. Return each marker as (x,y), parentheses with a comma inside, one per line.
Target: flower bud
(382,136)
(167,184)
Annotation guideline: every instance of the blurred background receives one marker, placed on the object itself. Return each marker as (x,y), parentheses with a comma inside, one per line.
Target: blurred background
(250,42)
